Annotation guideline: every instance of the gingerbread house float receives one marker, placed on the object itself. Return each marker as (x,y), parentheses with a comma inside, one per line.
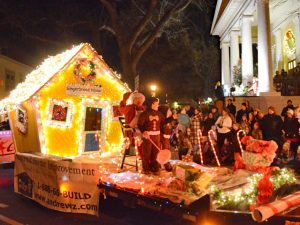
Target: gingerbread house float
(65,106)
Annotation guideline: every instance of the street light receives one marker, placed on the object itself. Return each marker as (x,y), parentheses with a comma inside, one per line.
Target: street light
(153,89)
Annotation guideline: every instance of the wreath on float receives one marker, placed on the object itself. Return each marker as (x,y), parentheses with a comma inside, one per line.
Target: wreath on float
(290,44)
(59,113)
(84,70)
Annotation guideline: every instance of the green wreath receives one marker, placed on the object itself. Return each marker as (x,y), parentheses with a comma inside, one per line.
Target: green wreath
(78,73)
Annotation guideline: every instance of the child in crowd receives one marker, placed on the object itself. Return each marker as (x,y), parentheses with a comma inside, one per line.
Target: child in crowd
(256,133)
(184,143)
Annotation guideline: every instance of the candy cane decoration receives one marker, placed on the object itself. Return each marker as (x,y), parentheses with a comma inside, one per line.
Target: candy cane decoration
(199,135)
(126,144)
(239,139)
(212,145)
(136,142)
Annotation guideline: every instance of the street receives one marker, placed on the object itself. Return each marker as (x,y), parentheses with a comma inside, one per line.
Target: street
(18,210)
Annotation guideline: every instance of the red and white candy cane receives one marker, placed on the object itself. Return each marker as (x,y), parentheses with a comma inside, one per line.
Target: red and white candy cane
(239,139)
(212,132)
(199,135)
(138,160)
(126,144)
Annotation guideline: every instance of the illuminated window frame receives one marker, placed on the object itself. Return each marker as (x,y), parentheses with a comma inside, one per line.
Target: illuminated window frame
(55,123)
(105,120)
(22,127)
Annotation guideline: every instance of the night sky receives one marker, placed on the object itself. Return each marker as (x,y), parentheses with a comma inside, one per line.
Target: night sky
(33,29)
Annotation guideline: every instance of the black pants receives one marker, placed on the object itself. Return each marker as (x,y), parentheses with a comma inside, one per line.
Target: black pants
(182,151)
(221,138)
(149,154)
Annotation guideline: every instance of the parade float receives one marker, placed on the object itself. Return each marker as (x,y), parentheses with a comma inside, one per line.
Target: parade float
(69,144)
(64,109)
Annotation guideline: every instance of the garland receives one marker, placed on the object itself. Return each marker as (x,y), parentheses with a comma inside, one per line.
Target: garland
(80,76)
(263,189)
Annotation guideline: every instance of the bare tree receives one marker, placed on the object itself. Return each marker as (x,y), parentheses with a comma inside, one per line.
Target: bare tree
(134,41)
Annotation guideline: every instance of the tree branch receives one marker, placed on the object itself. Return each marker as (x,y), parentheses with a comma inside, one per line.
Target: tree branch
(143,23)
(107,28)
(179,6)
(115,23)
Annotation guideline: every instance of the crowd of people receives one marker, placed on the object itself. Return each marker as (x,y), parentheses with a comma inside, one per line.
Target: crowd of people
(178,129)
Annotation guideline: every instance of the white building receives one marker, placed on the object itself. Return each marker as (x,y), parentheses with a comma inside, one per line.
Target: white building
(274,25)
(11,73)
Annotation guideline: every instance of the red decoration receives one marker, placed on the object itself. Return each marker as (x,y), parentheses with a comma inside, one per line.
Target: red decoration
(59,113)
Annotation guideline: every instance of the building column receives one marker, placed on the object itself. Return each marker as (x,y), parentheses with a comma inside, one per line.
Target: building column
(247,53)
(297,36)
(278,50)
(234,51)
(265,78)
(226,80)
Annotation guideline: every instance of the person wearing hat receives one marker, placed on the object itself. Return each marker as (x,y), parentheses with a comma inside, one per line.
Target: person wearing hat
(149,123)
(291,132)
(287,107)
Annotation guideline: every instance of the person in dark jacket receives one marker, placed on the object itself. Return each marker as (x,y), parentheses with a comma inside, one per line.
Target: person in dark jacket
(243,111)
(291,131)
(288,106)
(208,122)
(231,107)
(271,126)
(166,130)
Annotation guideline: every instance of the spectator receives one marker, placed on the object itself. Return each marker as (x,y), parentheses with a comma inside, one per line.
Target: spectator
(195,125)
(291,131)
(208,123)
(287,107)
(244,123)
(255,113)
(271,126)
(224,125)
(166,130)
(241,112)
(184,143)
(251,120)
(277,75)
(215,113)
(183,120)
(256,133)
(297,113)
(231,107)
(248,106)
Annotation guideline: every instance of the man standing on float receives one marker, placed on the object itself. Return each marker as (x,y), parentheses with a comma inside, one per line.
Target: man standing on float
(149,124)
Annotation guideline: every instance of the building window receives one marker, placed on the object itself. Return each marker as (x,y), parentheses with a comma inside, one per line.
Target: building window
(9,80)
(292,64)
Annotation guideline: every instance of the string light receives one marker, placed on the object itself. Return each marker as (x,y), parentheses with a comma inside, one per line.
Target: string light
(199,135)
(126,144)
(49,81)
(281,178)
(138,160)
(212,132)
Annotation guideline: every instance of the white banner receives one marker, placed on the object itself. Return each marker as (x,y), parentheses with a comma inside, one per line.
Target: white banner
(84,90)
(58,184)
